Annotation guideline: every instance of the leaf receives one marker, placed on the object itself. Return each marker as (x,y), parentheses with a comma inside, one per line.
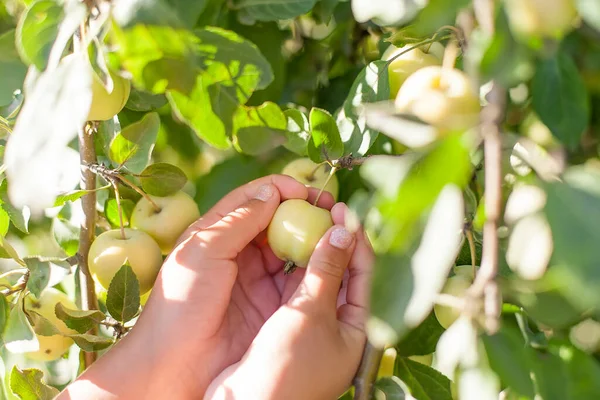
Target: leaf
(133,146)
(424,383)
(19,336)
(41,325)
(39,275)
(55,109)
(19,218)
(7,251)
(298,131)
(590,12)
(79,320)
(325,142)
(272,10)
(12,70)
(560,99)
(370,86)
(27,384)
(423,339)
(4,222)
(143,101)
(162,179)
(91,342)
(66,234)
(178,13)
(123,298)
(390,388)
(111,211)
(62,199)
(257,130)
(4,310)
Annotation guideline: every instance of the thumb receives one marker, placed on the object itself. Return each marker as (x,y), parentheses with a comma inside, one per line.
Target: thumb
(326,267)
(228,236)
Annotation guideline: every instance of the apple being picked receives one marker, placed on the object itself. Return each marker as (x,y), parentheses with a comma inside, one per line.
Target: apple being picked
(442,97)
(310,174)
(406,63)
(176,213)
(295,230)
(110,251)
(51,347)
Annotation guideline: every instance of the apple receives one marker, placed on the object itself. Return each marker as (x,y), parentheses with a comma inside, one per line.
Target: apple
(388,361)
(530,247)
(295,230)
(541,18)
(305,171)
(406,64)
(442,97)
(456,286)
(106,105)
(427,359)
(177,212)
(110,251)
(51,347)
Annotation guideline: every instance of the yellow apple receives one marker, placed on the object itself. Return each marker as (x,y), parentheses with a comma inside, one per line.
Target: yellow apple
(427,359)
(388,361)
(545,18)
(305,171)
(295,230)
(177,212)
(406,64)
(51,347)
(456,286)
(442,97)
(109,252)
(106,105)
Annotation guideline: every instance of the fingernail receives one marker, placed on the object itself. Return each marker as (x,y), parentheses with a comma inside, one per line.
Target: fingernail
(340,238)
(264,192)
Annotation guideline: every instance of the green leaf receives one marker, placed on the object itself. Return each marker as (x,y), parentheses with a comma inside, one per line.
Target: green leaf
(79,320)
(143,101)
(65,232)
(370,86)
(162,179)
(62,199)
(111,211)
(12,70)
(424,383)
(4,222)
(390,388)
(133,145)
(4,310)
(91,342)
(19,218)
(272,10)
(259,129)
(590,12)
(298,131)
(41,325)
(27,384)
(7,251)
(325,142)
(549,307)
(19,336)
(39,275)
(177,13)
(123,297)
(421,340)
(560,99)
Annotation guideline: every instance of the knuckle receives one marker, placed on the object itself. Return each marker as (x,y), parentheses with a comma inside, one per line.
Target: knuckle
(329,266)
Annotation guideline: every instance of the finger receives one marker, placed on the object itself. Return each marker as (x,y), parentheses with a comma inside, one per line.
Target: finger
(321,283)
(288,188)
(224,239)
(326,200)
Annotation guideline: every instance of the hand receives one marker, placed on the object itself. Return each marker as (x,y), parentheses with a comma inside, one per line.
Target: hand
(311,347)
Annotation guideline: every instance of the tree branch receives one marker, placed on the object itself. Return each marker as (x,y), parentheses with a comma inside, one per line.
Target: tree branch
(367,372)
(87,154)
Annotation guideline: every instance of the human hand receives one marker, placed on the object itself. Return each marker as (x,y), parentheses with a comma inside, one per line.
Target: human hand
(311,347)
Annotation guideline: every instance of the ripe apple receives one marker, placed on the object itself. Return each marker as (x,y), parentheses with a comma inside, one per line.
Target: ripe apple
(541,18)
(406,64)
(295,230)
(177,212)
(106,105)
(442,97)
(388,361)
(305,171)
(109,252)
(456,286)
(51,347)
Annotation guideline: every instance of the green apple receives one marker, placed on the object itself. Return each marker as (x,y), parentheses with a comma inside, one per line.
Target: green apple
(456,286)
(177,212)
(406,64)
(305,171)
(541,18)
(106,105)
(295,230)
(110,251)
(388,360)
(442,97)
(51,347)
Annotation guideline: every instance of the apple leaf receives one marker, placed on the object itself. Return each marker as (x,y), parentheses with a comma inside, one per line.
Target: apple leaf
(325,142)
(65,231)
(4,310)
(423,381)
(123,297)
(111,211)
(28,384)
(91,342)
(259,129)
(162,179)
(19,336)
(133,146)
(297,132)
(390,388)
(19,218)
(39,275)
(423,339)
(79,320)
(41,325)
(7,251)
(12,70)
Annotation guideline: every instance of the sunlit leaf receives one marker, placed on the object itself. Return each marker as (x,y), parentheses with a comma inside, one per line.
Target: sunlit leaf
(123,298)
(19,336)
(162,179)
(12,70)
(134,144)
(259,129)
(89,342)
(79,320)
(325,142)
(28,384)
(423,382)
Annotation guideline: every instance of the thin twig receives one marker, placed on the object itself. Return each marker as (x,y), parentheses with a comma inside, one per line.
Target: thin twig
(331,173)
(119,208)
(367,372)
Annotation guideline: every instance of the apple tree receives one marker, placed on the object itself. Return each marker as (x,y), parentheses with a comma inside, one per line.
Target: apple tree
(464,135)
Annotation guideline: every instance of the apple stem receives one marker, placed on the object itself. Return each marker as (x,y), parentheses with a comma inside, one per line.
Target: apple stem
(450,56)
(126,181)
(331,173)
(119,208)
(289,267)
(469,234)
(311,176)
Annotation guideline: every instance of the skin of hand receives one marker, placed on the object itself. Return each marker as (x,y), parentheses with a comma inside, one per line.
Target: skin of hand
(215,292)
